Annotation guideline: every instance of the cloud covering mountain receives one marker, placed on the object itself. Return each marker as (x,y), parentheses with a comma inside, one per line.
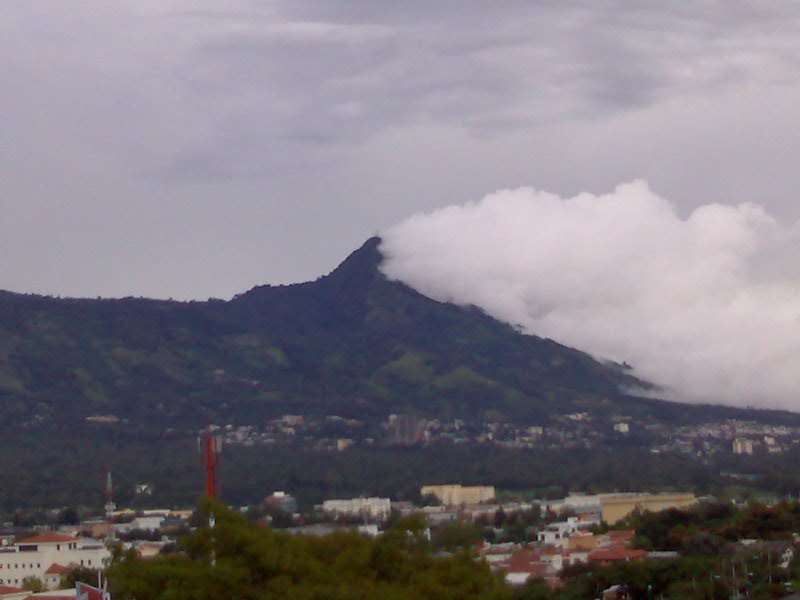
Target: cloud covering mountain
(707,305)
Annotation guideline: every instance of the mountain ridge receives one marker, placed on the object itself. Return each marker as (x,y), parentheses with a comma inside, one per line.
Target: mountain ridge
(352,343)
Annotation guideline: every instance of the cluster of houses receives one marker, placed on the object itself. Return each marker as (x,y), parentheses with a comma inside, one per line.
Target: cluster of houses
(572,546)
(575,430)
(48,557)
(558,544)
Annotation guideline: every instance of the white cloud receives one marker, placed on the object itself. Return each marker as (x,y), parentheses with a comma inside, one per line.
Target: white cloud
(707,305)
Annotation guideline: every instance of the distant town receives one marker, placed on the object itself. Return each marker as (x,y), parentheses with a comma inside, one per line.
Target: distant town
(571,431)
(522,539)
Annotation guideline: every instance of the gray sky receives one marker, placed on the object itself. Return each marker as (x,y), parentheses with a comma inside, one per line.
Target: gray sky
(179,149)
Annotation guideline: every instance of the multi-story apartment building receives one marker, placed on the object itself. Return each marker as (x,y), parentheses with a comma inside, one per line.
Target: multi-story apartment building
(372,508)
(35,556)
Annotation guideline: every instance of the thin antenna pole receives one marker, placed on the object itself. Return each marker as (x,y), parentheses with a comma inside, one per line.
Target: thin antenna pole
(110,506)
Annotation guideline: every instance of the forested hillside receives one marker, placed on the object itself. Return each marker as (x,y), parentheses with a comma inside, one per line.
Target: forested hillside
(351,343)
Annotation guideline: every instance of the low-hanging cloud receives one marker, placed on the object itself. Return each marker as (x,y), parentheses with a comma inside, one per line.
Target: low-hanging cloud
(707,306)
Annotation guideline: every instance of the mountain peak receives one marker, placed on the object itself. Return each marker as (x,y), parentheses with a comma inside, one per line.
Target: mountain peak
(360,267)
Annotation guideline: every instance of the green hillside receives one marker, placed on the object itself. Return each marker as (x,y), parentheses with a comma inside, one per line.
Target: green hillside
(351,343)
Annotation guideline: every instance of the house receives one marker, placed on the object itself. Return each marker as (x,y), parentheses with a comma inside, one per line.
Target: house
(558,533)
(582,540)
(53,574)
(525,566)
(498,553)
(142,523)
(615,554)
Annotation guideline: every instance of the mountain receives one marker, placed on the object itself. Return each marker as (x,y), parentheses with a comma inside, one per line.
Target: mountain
(351,343)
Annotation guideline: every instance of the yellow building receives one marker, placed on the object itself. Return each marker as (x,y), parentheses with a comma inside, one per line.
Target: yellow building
(618,506)
(457,494)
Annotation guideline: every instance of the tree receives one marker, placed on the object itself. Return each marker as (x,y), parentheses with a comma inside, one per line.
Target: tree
(253,562)
(82,574)
(33,584)
(456,535)
(68,516)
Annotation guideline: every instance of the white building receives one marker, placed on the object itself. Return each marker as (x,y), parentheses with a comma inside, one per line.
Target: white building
(144,523)
(556,534)
(34,557)
(742,446)
(372,508)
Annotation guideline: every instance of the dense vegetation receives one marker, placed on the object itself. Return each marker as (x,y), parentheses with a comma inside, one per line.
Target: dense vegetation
(64,471)
(351,343)
(255,562)
(712,565)
(707,529)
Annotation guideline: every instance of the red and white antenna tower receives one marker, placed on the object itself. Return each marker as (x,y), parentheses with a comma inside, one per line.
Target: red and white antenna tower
(210,445)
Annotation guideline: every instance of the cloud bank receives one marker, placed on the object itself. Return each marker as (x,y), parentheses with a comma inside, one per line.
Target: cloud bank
(707,305)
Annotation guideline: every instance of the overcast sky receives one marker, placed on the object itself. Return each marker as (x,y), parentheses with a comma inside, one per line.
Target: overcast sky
(191,149)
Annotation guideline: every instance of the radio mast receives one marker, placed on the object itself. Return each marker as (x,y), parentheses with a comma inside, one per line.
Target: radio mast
(110,506)
(210,449)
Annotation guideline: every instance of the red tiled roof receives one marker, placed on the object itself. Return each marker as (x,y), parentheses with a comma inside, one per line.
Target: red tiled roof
(48,538)
(533,569)
(4,589)
(57,569)
(614,554)
(523,561)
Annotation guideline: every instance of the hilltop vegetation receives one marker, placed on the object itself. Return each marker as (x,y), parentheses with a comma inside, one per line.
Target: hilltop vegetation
(351,343)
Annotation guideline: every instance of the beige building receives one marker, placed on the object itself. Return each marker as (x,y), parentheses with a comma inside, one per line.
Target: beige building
(618,506)
(455,494)
(742,446)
